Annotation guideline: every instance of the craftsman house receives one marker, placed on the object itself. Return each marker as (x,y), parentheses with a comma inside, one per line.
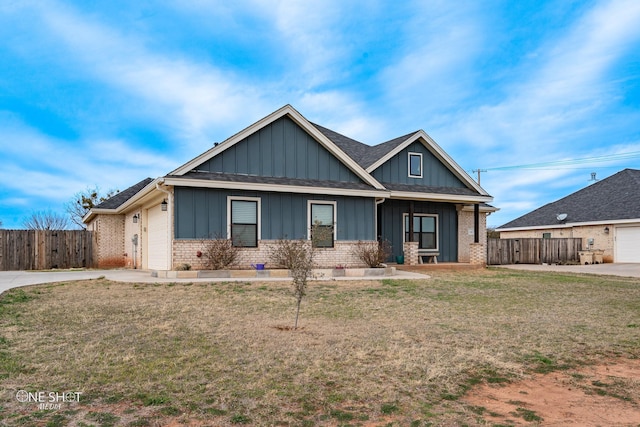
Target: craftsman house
(606,215)
(282,174)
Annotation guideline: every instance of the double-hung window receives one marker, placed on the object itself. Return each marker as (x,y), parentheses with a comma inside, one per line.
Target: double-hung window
(425,231)
(322,223)
(243,221)
(415,165)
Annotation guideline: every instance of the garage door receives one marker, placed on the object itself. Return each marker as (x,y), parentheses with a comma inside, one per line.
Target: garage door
(158,239)
(627,244)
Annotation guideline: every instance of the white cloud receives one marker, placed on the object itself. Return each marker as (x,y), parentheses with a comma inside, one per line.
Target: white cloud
(192,98)
(54,170)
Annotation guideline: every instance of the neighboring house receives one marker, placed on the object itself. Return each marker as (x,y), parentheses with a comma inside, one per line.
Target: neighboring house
(606,215)
(282,174)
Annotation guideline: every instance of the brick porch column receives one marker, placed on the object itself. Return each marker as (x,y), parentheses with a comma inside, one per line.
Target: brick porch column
(410,253)
(477,254)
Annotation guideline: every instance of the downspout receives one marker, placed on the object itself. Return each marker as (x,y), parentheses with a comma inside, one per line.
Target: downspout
(169,223)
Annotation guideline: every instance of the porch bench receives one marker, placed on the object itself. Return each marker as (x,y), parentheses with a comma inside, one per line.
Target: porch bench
(429,255)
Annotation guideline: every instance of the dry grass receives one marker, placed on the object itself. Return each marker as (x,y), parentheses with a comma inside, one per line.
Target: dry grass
(367,353)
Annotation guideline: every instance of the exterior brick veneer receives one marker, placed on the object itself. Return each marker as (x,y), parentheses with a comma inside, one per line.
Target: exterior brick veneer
(478,253)
(410,253)
(109,231)
(185,252)
(465,233)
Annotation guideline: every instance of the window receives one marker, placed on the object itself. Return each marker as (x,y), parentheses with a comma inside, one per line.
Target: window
(415,165)
(243,222)
(425,231)
(546,235)
(322,222)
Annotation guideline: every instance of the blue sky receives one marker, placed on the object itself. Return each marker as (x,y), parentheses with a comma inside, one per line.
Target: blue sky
(108,93)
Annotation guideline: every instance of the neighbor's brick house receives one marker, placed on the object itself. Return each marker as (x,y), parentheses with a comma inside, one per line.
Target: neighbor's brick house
(605,215)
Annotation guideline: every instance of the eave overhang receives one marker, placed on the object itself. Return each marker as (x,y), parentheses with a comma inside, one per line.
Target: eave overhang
(147,194)
(279,188)
(440,197)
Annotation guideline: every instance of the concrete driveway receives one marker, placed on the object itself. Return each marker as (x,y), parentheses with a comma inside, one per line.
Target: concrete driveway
(625,270)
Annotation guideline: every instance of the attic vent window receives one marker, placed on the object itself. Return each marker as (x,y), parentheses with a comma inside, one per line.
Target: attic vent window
(415,165)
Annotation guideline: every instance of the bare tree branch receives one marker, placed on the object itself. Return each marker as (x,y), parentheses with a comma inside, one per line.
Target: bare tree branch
(46,220)
(83,201)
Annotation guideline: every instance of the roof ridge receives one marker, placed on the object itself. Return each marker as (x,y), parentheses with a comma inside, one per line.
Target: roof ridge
(611,198)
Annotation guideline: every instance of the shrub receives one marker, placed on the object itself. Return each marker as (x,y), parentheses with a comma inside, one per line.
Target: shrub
(218,253)
(372,254)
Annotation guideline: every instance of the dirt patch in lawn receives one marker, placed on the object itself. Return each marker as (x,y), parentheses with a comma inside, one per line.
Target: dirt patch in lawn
(607,394)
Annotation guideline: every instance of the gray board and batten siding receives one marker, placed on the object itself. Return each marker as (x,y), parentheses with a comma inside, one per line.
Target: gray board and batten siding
(281,149)
(202,213)
(391,218)
(434,173)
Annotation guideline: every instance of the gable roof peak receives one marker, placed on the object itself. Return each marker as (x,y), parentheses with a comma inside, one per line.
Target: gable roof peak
(287,110)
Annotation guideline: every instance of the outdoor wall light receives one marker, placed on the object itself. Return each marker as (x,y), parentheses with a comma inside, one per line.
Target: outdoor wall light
(163,205)
(606,230)
(136,217)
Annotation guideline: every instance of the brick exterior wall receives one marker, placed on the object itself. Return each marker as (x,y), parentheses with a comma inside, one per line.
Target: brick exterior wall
(465,233)
(601,240)
(109,231)
(185,252)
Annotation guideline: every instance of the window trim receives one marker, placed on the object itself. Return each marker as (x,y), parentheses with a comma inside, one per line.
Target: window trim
(410,154)
(258,218)
(335,219)
(437,239)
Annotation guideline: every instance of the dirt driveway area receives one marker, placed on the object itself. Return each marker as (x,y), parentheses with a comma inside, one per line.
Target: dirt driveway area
(602,395)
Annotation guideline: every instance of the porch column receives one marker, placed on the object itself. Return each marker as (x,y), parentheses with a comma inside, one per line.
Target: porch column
(477,250)
(476,223)
(410,221)
(410,247)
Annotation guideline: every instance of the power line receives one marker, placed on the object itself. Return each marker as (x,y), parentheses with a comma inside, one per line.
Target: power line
(564,164)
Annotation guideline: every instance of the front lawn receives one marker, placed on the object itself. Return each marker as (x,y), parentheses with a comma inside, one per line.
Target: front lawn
(376,353)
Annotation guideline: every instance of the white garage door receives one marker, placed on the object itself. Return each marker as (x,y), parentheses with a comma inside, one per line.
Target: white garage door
(158,239)
(627,244)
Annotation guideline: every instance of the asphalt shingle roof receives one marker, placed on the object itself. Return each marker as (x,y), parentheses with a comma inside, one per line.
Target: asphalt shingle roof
(365,155)
(121,197)
(613,198)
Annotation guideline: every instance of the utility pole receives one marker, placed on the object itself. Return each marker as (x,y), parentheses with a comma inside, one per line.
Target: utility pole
(479,171)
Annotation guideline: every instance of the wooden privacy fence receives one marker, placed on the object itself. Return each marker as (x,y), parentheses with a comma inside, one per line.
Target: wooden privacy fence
(533,251)
(45,249)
